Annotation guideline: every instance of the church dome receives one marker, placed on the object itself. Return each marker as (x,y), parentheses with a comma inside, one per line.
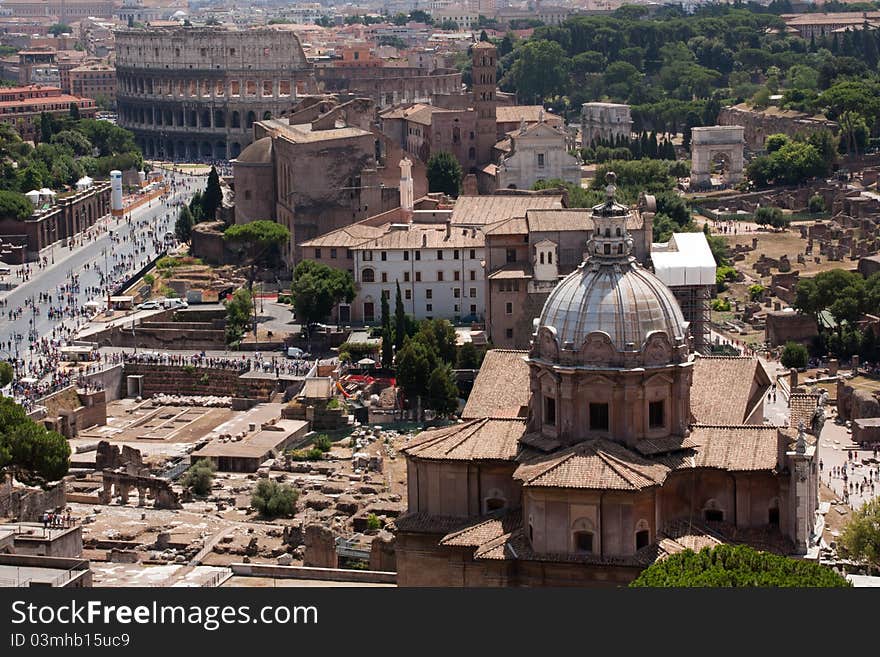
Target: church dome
(611,311)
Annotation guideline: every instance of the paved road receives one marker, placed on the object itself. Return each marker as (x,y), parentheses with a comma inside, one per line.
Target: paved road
(129,250)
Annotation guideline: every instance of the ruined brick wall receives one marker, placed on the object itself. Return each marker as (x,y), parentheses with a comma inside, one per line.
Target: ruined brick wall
(27,505)
(175,380)
(760,124)
(854,404)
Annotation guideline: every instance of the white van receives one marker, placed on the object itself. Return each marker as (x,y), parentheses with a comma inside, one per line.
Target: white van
(174,303)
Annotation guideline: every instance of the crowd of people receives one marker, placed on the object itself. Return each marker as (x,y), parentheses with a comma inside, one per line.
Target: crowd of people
(855,477)
(247,362)
(57,314)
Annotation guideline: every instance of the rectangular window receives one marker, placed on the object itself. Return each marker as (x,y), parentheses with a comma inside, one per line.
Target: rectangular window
(418,255)
(429,293)
(550,410)
(516,286)
(333,254)
(511,255)
(439,275)
(428,307)
(439,254)
(473,309)
(384,276)
(455,254)
(473,275)
(407,294)
(406,277)
(473,293)
(406,255)
(456,275)
(418,277)
(509,334)
(456,307)
(540,159)
(368,255)
(508,308)
(473,254)
(456,293)
(655,415)
(599,417)
(348,254)
(317,254)
(384,256)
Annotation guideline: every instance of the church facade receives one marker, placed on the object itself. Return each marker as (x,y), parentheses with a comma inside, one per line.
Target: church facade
(604,447)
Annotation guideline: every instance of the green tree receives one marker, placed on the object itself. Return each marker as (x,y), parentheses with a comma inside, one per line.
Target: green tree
(414,364)
(74,111)
(58,29)
(387,336)
(15,206)
(468,357)
(184,225)
(444,174)
(238,312)
(860,538)
(794,355)
(442,393)
(6,374)
(212,196)
(199,477)
(46,127)
(539,70)
(274,500)
(736,566)
(259,243)
(770,216)
(844,294)
(316,289)
(816,204)
(399,318)
(28,451)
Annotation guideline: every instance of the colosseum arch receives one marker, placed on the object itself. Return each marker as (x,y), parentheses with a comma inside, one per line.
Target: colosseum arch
(711,143)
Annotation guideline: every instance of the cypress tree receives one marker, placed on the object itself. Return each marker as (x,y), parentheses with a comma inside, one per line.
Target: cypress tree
(387,338)
(399,319)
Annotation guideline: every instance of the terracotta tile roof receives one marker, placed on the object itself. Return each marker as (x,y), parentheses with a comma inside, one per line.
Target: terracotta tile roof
(735,448)
(528,113)
(540,442)
(802,406)
(484,529)
(431,236)
(482,210)
(501,389)
(652,446)
(425,523)
(727,390)
(477,440)
(347,237)
(594,464)
(512,226)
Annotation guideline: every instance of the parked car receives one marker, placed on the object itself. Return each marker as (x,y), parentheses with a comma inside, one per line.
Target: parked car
(175,303)
(149,305)
(295,352)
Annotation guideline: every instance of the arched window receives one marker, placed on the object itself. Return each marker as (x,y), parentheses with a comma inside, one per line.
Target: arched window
(618,231)
(368,276)
(582,533)
(607,232)
(712,512)
(773,513)
(541,257)
(549,257)
(643,534)
(494,500)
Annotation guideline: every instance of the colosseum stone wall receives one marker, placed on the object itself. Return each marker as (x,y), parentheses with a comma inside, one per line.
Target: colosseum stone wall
(194,93)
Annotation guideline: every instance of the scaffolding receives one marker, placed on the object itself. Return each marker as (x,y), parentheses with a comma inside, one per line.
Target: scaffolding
(694,302)
(686,265)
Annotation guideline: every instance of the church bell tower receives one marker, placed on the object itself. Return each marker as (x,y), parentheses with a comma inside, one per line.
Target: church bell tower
(484,58)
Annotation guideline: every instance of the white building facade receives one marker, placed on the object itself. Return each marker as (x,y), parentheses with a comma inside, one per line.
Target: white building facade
(538,152)
(439,269)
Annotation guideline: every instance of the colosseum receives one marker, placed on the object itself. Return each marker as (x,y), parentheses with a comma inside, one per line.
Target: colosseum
(194,93)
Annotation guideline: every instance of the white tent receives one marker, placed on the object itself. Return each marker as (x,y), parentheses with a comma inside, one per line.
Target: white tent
(84,183)
(33,196)
(685,260)
(366,361)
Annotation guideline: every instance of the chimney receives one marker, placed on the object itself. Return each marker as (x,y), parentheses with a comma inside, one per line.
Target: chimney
(424,240)
(448,229)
